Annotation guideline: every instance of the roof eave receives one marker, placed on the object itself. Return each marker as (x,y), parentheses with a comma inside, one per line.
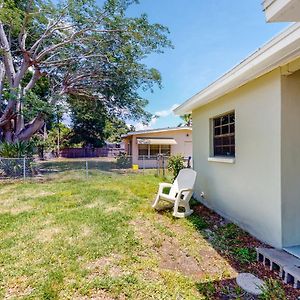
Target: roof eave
(279,51)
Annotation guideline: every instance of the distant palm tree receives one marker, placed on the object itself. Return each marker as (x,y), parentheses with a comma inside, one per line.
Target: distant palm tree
(187,120)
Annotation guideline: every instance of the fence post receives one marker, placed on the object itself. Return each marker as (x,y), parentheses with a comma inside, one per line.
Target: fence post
(143,164)
(24,168)
(87,169)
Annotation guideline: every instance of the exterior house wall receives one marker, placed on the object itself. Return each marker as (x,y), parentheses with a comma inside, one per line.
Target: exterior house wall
(248,191)
(183,144)
(291,159)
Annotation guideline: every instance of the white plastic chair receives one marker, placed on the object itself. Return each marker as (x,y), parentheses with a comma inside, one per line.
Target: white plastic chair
(180,193)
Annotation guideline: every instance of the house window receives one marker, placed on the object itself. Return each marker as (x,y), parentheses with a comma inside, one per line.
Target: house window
(143,150)
(151,151)
(154,150)
(165,150)
(224,135)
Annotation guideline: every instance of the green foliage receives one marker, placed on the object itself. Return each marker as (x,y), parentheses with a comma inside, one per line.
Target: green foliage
(272,290)
(123,161)
(114,129)
(245,255)
(88,122)
(16,150)
(207,289)
(198,222)
(175,164)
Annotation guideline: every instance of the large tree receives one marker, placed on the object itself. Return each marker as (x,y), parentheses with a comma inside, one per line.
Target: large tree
(82,49)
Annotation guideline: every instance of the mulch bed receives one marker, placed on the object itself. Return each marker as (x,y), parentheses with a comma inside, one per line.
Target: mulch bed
(245,240)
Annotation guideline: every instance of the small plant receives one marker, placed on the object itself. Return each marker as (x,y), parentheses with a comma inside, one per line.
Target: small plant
(245,255)
(207,289)
(272,290)
(198,222)
(175,164)
(123,161)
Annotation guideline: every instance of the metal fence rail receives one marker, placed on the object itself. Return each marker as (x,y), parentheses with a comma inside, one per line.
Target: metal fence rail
(25,168)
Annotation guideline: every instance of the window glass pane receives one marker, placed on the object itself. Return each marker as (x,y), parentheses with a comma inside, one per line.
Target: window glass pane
(232,128)
(225,129)
(218,131)
(143,150)
(154,150)
(224,120)
(165,149)
(217,122)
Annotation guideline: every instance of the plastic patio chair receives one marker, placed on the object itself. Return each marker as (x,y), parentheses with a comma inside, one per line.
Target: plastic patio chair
(180,193)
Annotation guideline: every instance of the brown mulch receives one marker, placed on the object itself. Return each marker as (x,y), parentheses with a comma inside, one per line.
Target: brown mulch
(245,240)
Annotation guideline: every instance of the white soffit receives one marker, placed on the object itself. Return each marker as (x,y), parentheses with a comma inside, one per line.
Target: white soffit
(281,50)
(282,10)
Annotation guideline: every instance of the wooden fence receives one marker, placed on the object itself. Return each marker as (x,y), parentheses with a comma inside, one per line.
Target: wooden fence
(90,152)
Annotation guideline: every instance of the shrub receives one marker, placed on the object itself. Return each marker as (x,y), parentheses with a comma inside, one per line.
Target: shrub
(12,164)
(175,164)
(123,161)
(16,150)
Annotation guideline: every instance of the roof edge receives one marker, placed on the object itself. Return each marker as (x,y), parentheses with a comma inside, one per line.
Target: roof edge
(156,130)
(279,51)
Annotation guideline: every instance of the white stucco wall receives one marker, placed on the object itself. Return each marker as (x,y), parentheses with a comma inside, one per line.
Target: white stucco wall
(248,191)
(291,159)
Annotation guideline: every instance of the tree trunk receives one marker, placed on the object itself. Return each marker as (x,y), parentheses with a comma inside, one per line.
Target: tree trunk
(30,129)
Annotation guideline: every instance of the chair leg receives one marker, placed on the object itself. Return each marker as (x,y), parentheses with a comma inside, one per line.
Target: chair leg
(188,210)
(155,201)
(176,213)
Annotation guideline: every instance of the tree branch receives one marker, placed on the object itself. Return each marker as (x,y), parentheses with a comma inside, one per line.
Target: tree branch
(7,56)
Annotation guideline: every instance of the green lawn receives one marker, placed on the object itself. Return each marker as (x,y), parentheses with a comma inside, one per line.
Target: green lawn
(68,237)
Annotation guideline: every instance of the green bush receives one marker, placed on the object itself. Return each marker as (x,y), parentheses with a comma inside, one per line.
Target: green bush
(175,164)
(123,161)
(16,150)
(12,164)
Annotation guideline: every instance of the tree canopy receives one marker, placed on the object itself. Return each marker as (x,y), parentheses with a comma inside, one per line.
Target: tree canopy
(79,50)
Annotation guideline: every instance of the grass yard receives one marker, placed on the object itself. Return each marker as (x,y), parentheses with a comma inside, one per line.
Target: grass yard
(67,237)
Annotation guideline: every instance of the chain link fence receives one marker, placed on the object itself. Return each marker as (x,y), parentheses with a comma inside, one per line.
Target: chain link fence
(26,168)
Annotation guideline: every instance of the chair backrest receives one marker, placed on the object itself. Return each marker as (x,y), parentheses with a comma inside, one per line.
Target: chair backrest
(185,180)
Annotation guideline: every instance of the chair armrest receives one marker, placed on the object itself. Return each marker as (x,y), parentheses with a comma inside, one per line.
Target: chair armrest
(163,185)
(190,191)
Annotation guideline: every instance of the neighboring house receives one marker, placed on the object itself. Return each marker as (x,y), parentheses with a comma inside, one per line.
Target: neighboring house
(282,10)
(246,142)
(145,145)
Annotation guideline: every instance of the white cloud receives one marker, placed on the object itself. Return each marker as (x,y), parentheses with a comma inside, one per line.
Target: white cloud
(157,115)
(167,112)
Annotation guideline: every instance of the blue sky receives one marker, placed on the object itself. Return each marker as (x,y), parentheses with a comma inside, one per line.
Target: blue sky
(210,37)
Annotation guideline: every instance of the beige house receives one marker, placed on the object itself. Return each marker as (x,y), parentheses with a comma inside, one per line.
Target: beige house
(246,143)
(144,146)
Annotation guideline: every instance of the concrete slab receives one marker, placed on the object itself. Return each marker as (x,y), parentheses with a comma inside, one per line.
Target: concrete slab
(250,283)
(279,260)
(295,250)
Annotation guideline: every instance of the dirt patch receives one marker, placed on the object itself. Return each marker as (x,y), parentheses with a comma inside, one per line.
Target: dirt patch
(46,235)
(170,254)
(106,265)
(97,295)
